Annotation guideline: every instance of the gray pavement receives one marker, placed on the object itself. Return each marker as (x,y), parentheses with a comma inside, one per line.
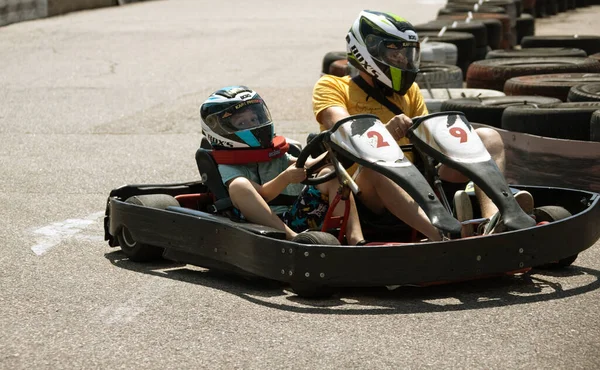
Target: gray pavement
(93,100)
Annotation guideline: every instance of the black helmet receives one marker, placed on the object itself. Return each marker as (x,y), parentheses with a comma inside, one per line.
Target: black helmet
(386,47)
(236,117)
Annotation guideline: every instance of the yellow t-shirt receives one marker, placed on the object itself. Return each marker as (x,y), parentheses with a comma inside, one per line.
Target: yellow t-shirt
(333,91)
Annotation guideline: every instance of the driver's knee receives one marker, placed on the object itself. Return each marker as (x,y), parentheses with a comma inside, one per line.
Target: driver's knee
(330,186)
(491,140)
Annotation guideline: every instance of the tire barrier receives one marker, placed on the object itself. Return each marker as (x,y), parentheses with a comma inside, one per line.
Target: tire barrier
(457,8)
(437,75)
(553,85)
(562,121)
(589,43)
(488,110)
(525,26)
(339,68)
(331,57)
(464,42)
(493,73)
(439,52)
(540,8)
(506,31)
(475,28)
(529,7)
(584,92)
(435,97)
(513,8)
(536,53)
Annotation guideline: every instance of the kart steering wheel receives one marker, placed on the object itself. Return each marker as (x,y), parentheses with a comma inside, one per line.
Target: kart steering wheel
(310,171)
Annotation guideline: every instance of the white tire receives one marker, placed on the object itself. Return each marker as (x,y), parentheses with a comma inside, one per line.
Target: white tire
(439,52)
(435,97)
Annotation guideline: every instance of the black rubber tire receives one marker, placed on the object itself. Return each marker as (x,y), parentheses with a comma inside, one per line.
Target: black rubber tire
(494,31)
(481,52)
(140,252)
(595,126)
(551,8)
(554,85)
(339,68)
(493,73)
(475,28)
(505,27)
(316,238)
(511,7)
(569,121)
(540,8)
(584,92)
(437,75)
(537,53)
(589,43)
(457,8)
(488,110)
(331,57)
(464,42)
(552,214)
(525,26)
(312,291)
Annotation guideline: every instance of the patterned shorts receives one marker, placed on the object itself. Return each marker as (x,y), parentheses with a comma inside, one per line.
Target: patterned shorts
(308,211)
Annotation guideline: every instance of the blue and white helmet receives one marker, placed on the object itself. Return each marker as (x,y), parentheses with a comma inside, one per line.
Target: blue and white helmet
(386,47)
(236,117)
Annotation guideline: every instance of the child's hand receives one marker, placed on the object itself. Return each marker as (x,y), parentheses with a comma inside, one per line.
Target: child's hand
(294,175)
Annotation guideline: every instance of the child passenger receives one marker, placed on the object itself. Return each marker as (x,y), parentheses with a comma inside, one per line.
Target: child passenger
(237,118)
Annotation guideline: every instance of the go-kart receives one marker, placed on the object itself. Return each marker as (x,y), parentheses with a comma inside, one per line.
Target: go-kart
(192,223)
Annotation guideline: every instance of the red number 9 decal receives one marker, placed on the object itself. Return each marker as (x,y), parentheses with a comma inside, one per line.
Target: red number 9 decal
(459,133)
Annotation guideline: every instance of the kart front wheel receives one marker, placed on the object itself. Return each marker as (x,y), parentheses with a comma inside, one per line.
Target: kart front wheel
(308,290)
(135,250)
(552,214)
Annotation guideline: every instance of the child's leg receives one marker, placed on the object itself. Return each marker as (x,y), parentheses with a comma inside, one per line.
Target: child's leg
(254,208)
(353,230)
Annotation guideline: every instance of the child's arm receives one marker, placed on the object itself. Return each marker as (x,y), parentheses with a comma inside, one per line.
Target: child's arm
(273,188)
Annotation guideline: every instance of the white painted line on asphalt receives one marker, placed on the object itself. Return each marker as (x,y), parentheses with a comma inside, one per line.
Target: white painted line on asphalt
(53,234)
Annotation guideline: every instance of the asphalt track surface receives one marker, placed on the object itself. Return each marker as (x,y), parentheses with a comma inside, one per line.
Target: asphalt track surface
(93,100)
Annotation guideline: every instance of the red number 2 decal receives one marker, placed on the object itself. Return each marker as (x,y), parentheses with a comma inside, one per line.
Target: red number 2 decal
(459,133)
(380,141)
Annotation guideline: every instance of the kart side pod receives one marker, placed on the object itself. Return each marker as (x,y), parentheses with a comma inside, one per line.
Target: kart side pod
(449,138)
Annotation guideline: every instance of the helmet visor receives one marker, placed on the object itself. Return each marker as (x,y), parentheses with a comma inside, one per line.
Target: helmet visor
(403,55)
(243,116)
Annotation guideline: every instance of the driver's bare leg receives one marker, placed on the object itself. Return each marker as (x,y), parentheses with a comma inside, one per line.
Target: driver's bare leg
(254,208)
(493,142)
(379,192)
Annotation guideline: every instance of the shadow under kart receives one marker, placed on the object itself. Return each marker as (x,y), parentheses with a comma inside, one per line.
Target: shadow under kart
(188,223)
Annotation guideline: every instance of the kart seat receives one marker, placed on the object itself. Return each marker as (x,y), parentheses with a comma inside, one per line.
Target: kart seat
(209,173)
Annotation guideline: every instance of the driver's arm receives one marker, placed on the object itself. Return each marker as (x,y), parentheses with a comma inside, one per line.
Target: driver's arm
(329,116)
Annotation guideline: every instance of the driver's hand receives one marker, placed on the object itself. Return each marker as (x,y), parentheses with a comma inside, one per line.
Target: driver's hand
(398,126)
(294,175)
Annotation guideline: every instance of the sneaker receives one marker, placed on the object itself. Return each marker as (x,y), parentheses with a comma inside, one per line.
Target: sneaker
(525,201)
(464,211)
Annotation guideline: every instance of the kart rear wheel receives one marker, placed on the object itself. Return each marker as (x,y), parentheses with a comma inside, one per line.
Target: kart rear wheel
(307,290)
(141,252)
(551,214)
